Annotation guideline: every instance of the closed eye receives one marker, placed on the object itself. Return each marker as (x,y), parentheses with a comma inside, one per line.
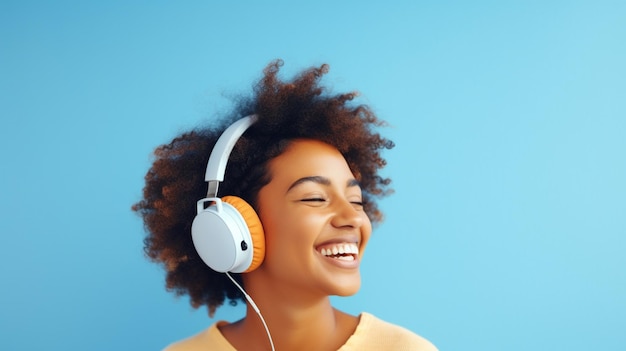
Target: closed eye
(357,204)
(313,199)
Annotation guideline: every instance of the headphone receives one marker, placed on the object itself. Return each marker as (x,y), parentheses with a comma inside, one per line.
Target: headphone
(227,234)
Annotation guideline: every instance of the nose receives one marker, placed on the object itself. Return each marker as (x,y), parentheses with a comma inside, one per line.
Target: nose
(348,215)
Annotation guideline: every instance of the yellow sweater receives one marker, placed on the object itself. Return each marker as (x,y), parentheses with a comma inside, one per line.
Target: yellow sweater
(371,334)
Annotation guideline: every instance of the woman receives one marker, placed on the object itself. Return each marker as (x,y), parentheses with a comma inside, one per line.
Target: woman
(304,170)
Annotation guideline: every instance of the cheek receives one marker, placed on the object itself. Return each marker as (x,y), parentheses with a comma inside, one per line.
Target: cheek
(280,228)
(366,231)
(290,234)
(287,227)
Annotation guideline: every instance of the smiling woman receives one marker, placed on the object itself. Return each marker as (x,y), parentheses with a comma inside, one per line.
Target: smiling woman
(311,207)
(301,185)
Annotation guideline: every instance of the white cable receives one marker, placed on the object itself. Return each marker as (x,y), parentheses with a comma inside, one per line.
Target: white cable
(254,306)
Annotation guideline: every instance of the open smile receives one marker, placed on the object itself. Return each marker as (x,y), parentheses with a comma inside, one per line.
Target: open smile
(346,251)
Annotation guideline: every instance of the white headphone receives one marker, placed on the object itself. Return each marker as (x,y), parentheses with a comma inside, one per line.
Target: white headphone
(228,234)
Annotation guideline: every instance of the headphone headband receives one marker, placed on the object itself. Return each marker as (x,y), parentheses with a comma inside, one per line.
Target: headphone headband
(221,151)
(226,232)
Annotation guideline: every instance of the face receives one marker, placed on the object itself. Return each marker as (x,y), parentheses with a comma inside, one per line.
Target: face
(314,223)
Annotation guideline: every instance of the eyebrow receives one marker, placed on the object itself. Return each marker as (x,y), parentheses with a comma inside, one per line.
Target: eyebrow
(321,180)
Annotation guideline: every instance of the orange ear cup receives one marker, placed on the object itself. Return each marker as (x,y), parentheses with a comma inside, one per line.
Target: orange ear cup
(254,225)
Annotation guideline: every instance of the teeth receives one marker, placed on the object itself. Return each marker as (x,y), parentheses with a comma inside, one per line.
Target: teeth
(345,258)
(347,249)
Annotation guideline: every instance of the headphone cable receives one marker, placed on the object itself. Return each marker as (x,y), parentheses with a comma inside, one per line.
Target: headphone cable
(256,309)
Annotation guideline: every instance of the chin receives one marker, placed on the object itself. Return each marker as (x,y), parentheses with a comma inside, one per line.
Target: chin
(347,293)
(348,289)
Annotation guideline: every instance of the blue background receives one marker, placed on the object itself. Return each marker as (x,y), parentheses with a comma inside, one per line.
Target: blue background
(507,228)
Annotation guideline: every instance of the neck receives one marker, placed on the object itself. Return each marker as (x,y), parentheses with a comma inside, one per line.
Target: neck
(290,328)
(296,321)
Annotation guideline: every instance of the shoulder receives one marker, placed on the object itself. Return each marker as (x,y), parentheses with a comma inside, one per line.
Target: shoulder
(208,339)
(373,333)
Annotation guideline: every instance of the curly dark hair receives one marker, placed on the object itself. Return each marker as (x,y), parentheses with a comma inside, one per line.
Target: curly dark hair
(296,109)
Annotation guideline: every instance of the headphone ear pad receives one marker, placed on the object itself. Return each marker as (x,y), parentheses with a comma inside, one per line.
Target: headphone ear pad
(254,225)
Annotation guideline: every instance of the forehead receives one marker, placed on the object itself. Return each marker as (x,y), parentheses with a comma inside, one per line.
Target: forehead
(305,158)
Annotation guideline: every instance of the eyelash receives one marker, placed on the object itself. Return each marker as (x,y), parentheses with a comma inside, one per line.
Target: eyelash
(319,199)
(314,199)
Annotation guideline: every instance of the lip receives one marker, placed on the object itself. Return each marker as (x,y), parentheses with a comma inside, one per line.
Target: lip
(352,238)
(339,263)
